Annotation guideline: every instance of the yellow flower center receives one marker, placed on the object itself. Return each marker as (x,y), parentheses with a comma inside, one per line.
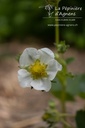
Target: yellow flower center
(38,70)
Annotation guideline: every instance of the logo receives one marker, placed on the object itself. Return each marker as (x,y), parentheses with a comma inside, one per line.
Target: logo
(49,9)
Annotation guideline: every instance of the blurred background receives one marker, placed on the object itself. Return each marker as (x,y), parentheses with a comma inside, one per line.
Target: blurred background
(22,25)
(22,18)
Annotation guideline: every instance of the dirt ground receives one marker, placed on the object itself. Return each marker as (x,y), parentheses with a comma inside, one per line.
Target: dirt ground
(22,108)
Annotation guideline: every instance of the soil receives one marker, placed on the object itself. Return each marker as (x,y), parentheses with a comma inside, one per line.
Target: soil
(23,107)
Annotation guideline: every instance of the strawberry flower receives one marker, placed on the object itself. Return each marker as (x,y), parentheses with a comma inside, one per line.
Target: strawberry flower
(37,68)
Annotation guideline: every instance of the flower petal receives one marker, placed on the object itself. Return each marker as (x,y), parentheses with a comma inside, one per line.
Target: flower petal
(48,51)
(52,69)
(46,55)
(42,84)
(28,56)
(24,78)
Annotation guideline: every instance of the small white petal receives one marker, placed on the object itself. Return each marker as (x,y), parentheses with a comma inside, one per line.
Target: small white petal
(42,84)
(48,51)
(53,68)
(45,55)
(24,78)
(28,56)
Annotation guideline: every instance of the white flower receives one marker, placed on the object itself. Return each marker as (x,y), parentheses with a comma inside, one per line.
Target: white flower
(38,68)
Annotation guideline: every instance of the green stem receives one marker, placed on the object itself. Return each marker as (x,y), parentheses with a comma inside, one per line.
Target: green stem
(63,103)
(63,97)
(66,124)
(63,94)
(67,115)
(56,28)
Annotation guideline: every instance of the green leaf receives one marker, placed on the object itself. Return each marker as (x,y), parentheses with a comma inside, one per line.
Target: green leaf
(70,60)
(73,85)
(80,119)
(56,90)
(82,95)
(82,83)
(56,85)
(76,86)
(58,95)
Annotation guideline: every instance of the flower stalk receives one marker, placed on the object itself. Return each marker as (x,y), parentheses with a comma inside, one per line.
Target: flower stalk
(56,27)
(63,98)
(63,94)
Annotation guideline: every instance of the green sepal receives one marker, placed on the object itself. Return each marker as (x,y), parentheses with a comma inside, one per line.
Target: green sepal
(71,75)
(62,47)
(18,57)
(51,115)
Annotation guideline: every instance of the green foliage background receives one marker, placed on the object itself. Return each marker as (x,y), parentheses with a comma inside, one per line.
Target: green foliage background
(20,18)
